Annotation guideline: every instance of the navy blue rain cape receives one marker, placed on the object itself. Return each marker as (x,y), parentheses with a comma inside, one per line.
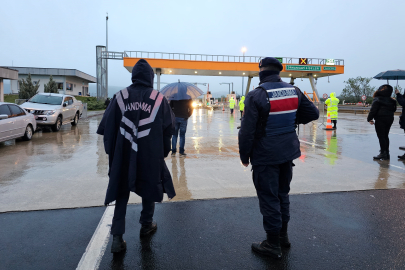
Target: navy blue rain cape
(137,128)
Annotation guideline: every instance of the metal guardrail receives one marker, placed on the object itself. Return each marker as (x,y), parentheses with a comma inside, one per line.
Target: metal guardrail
(222,58)
(360,108)
(113,55)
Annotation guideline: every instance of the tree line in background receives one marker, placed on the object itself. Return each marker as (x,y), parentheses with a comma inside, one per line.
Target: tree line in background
(357,87)
(28,88)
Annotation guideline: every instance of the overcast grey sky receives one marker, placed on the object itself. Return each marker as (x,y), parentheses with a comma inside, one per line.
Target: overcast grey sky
(368,35)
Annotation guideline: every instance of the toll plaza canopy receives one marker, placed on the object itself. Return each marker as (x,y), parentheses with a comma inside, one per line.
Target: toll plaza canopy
(227,65)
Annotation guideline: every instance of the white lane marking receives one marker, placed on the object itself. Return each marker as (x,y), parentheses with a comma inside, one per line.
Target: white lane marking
(312,143)
(95,250)
(397,167)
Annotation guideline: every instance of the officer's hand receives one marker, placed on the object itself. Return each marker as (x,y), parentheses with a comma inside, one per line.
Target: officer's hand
(371,122)
(245,164)
(396,91)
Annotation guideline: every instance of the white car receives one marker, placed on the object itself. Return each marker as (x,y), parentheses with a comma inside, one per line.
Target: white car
(15,122)
(54,110)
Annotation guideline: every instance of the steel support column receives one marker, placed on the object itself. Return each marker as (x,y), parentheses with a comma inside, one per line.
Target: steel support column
(158,72)
(101,73)
(248,85)
(313,85)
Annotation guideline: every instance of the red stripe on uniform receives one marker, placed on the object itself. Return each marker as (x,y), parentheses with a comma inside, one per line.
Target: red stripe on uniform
(281,105)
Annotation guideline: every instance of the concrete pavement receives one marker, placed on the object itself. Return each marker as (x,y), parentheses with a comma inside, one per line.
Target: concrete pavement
(68,169)
(342,230)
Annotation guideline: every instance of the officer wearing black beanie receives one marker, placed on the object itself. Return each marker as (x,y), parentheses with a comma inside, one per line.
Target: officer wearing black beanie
(268,140)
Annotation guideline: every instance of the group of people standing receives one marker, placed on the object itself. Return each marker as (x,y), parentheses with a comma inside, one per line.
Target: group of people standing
(381,116)
(138,138)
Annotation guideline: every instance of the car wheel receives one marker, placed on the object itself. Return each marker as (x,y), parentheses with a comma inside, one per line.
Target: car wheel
(57,125)
(75,120)
(28,133)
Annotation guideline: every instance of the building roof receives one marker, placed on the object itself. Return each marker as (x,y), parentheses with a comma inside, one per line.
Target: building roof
(8,73)
(55,72)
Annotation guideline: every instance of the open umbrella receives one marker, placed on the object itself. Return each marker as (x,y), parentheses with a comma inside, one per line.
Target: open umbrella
(397,74)
(181,91)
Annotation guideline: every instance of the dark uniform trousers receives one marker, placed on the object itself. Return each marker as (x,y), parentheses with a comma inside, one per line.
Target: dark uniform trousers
(120,211)
(272,183)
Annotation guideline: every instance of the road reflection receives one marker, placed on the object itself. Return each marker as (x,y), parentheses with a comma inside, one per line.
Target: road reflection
(180,179)
(331,147)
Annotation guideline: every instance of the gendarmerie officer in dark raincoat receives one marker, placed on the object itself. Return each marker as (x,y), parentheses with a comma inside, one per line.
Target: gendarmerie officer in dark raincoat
(137,128)
(267,138)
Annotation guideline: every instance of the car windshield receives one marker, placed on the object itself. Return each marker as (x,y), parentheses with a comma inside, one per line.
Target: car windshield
(45,99)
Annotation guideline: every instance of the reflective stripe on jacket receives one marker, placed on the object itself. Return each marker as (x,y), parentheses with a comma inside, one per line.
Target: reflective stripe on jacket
(283,107)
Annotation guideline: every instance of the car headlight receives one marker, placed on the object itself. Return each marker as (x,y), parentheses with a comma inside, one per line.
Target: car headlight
(50,112)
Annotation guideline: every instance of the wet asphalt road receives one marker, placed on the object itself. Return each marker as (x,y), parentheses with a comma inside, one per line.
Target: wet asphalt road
(342,230)
(68,169)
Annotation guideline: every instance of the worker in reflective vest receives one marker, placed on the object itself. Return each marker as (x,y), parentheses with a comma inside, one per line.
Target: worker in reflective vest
(242,105)
(332,104)
(231,104)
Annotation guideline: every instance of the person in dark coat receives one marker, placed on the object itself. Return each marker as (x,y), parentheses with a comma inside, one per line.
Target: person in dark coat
(107,102)
(382,111)
(137,128)
(268,140)
(182,110)
(401,101)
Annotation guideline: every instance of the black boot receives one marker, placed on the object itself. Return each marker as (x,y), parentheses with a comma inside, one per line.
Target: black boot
(118,244)
(402,157)
(284,241)
(386,155)
(270,247)
(379,156)
(148,229)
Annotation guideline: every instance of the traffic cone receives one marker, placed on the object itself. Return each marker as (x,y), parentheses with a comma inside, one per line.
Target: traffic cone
(329,123)
(223,107)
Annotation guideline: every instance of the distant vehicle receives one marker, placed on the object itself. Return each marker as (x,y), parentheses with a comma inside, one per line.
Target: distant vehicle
(54,110)
(15,122)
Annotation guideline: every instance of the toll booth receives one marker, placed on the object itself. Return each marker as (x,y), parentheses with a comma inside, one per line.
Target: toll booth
(207,99)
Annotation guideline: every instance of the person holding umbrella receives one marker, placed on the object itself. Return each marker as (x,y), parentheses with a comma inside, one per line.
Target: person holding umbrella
(182,110)
(382,110)
(180,95)
(397,74)
(401,101)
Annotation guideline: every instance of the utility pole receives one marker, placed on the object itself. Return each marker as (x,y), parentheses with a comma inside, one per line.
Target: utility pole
(243,81)
(106,60)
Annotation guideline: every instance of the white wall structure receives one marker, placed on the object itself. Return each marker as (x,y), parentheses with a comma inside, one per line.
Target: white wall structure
(69,81)
(9,74)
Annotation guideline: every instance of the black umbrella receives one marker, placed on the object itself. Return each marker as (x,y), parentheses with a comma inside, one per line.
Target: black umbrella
(398,74)
(181,91)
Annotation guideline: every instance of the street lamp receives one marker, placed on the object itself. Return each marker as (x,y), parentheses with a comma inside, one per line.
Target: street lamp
(243,78)
(229,84)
